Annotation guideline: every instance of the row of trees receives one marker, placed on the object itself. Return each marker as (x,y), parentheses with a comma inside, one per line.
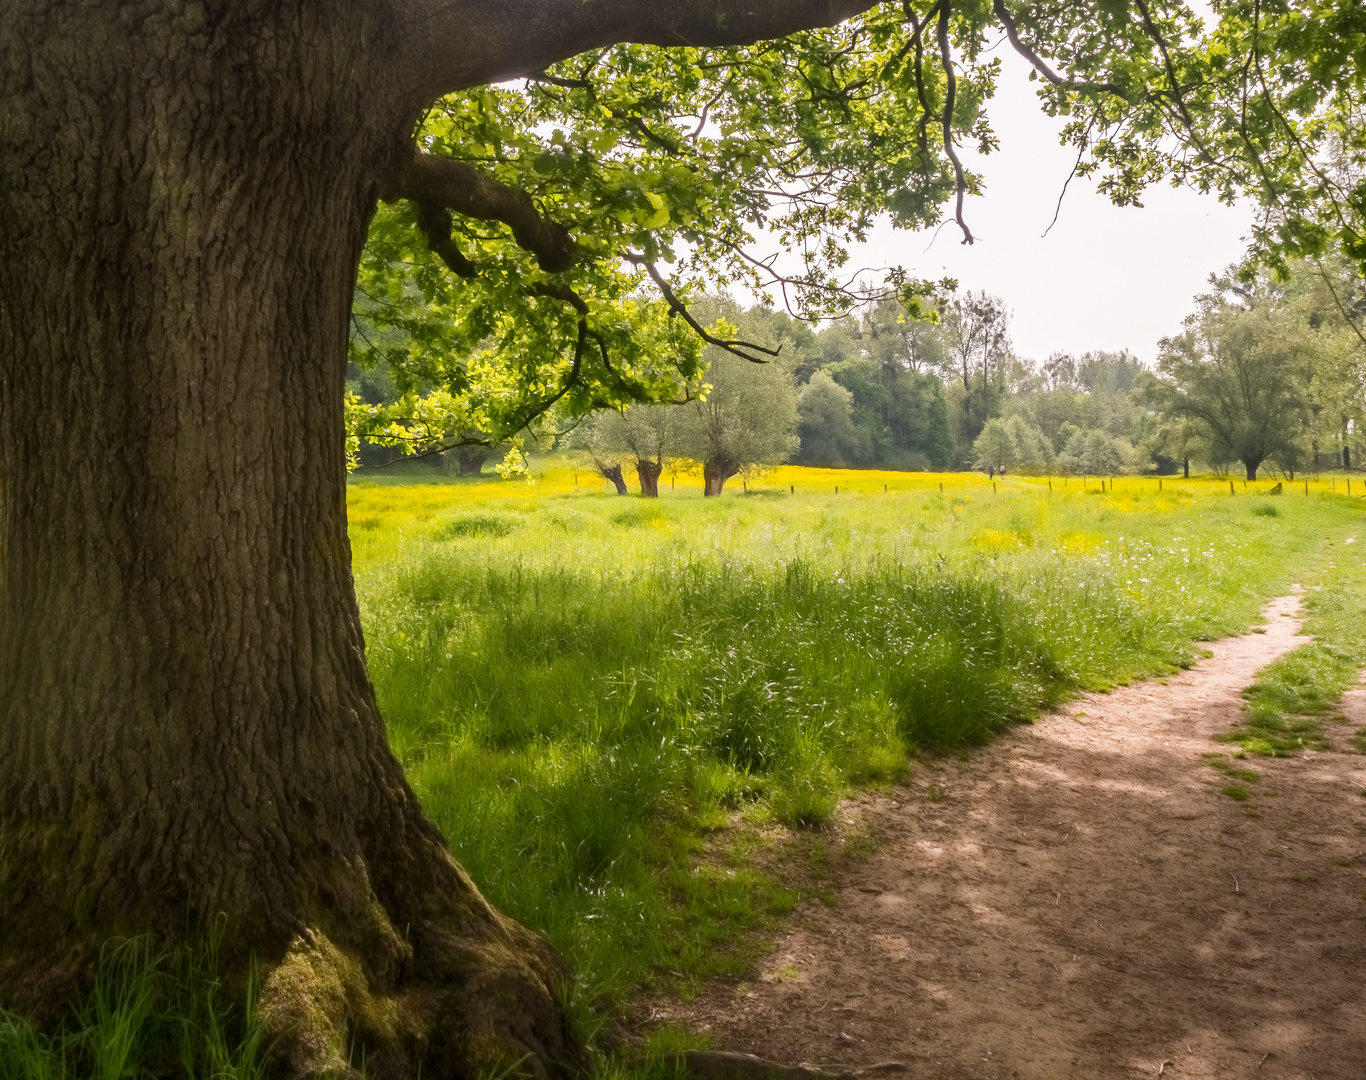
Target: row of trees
(748,420)
(1268,372)
(825,399)
(1264,373)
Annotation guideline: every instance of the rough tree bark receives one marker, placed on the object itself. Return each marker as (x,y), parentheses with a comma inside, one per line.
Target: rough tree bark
(613,473)
(715,475)
(1251,466)
(186,724)
(648,473)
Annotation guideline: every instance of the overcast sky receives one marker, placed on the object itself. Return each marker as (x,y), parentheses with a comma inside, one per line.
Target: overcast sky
(1104,277)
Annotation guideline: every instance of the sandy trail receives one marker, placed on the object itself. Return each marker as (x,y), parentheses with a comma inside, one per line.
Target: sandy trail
(1082,900)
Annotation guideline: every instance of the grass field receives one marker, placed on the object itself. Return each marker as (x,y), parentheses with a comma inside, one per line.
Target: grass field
(609,703)
(619,710)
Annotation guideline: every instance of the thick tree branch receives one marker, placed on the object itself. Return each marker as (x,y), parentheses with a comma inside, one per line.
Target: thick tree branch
(434,182)
(435,223)
(562,293)
(520,38)
(1150,28)
(918,27)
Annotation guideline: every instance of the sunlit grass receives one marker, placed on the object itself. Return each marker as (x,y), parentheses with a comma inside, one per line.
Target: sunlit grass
(1292,697)
(606,702)
(150,1013)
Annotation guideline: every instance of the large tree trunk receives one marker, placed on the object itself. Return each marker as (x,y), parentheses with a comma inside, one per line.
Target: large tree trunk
(613,473)
(186,724)
(648,473)
(714,477)
(1251,467)
(471,459)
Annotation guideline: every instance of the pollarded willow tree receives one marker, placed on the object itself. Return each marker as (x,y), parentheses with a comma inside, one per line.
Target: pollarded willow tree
(186,725)
(642,437)
(746,424)
(1241,372)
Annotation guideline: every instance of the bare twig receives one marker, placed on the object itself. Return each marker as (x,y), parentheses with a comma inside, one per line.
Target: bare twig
(1081,152)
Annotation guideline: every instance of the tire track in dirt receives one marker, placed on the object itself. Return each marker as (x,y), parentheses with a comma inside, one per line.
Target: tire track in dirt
(1080,899)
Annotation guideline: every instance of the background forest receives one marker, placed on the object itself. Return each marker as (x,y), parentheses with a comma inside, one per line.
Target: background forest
(1262,377)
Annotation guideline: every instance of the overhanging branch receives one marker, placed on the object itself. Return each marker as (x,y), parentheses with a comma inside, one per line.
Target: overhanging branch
(436,182)
(950,92)
(742,349)
(918,41)
(462,43)
(1183,114)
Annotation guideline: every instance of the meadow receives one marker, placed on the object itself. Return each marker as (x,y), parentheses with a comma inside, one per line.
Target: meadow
(617,709)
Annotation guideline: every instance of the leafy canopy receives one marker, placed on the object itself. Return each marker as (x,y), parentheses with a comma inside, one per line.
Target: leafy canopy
(627,179)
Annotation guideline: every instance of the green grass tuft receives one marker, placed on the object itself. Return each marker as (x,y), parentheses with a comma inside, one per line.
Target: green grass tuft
(1223,765)
(151,1013)
(1292,696)
(640,516)
(468,525)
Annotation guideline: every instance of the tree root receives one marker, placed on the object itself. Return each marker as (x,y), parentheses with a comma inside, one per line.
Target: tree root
(460,1001)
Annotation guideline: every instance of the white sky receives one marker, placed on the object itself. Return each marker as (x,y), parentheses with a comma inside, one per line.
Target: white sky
(1105,277)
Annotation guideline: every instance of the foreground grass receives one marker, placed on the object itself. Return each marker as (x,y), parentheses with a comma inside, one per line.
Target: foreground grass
(613,708)
(150,1013)
(1292,697)
(610,706)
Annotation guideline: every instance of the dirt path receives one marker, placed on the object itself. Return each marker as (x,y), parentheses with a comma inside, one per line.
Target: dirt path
(1080,899)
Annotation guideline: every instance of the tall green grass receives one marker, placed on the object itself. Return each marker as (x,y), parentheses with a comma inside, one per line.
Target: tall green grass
(591,694)
(1292,697)
(150,1013)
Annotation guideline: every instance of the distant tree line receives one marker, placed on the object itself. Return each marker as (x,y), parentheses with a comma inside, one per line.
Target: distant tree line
(1265,374)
